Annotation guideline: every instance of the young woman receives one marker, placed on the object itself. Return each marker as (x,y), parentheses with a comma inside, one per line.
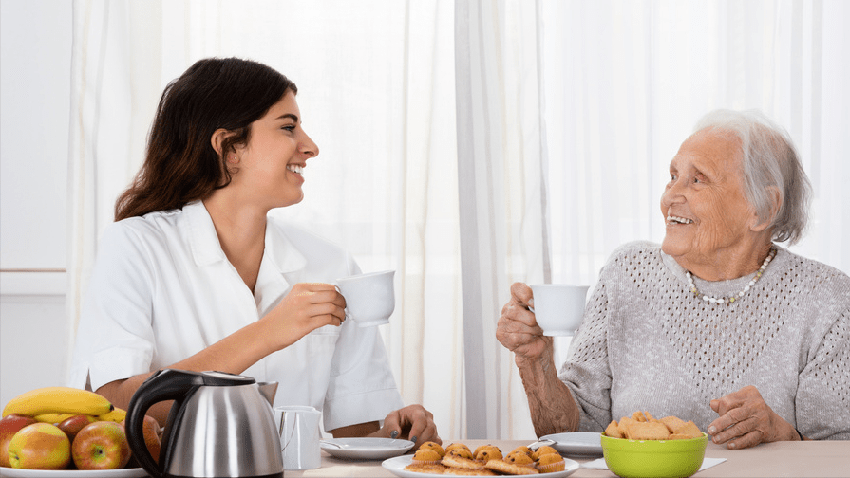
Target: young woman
(195,275)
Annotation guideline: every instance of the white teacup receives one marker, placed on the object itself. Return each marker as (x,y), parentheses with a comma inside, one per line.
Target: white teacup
(299,437)
(558,308)
(369,298)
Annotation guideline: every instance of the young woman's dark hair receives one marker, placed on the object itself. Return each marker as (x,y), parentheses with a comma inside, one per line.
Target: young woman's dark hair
(180,163)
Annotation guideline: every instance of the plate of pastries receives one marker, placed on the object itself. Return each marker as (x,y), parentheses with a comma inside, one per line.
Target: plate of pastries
(486,460)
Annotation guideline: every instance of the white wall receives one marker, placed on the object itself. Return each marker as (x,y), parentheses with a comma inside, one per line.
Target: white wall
(35,58)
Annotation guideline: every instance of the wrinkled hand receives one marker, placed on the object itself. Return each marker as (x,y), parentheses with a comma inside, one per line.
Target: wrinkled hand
(746,420)
(518,330)
(412,423)
(305,308)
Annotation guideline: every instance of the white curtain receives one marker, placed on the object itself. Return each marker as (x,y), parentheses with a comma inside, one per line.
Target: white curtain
(626,82)
(471,144)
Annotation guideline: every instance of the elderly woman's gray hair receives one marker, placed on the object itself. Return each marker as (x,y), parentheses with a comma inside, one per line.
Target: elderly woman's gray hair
(770,162)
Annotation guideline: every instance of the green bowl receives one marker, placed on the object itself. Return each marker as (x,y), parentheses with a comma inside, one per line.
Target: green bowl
(654,458)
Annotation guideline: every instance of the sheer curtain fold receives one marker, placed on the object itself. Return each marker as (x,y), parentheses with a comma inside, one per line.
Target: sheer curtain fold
(470,144)
(502,196)
(112,77)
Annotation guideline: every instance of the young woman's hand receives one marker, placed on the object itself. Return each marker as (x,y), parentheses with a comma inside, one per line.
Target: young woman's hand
(305,308)
(413,423)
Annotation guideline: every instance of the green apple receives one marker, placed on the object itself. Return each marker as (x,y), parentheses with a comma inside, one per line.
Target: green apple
(101,446)
(40,446)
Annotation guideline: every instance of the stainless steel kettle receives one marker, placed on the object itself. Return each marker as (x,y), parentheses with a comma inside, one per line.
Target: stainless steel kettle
(220,425)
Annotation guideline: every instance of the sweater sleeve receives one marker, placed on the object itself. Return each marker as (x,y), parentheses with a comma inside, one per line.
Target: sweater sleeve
(586,371)
(823,394)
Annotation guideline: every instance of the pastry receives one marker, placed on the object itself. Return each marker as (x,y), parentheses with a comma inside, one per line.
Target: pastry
(429,445)
(425,458)
(485,453)
(550,462)
(455,446)
(505,467)
(544,450)
(461,458)
(465,472)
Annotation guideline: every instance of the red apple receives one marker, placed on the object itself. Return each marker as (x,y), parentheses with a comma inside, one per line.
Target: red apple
(9,425)
(152,433)
(101,446)
(40,446)
(72,425)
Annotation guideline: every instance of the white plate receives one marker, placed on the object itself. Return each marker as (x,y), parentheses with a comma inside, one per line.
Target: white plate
(366,448)
(576,443)
(398,464)
(122,473)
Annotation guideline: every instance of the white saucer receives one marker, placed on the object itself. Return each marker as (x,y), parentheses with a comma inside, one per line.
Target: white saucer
(366,448)
(576,443)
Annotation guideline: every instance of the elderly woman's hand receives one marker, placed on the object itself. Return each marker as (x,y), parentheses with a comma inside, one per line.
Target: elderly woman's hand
(746,420)
(518,330)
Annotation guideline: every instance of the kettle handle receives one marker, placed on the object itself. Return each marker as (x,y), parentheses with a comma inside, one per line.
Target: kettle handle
(163,385)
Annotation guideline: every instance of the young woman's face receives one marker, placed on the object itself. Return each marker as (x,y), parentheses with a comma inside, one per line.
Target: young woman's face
(270,167)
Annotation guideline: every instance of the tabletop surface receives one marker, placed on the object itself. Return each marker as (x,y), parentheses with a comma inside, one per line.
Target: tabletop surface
(793,459)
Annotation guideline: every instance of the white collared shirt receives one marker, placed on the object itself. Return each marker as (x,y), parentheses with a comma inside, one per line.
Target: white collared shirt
(162,290)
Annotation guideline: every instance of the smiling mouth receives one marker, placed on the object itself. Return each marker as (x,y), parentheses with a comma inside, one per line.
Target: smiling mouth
(296,169)
(671,219)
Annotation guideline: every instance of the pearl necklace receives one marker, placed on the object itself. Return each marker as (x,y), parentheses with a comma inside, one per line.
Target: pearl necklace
(729,300)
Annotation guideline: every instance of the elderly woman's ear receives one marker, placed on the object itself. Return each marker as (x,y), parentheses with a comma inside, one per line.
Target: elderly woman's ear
(775,205)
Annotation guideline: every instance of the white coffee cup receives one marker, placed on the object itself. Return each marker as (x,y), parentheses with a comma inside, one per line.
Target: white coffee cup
(299,437)
(369,298)
(559,308)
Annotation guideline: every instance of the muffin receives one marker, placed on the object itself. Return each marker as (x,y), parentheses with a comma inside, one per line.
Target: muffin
(486,453)
(519,458)
(550,462)
(455,446)
(429,445)
(459,452)
(524,449)
(544,450)
(425,458)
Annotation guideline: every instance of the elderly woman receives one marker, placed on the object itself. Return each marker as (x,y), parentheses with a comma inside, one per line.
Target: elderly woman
(718,325)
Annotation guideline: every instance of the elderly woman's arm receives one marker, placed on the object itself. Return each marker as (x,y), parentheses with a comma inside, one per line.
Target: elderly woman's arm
(552,406)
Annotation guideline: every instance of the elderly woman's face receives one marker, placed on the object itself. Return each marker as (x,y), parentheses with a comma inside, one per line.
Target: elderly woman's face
(704,204)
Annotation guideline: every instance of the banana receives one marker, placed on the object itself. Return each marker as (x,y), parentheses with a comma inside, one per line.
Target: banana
(53,418)
(116,415)
(58,400)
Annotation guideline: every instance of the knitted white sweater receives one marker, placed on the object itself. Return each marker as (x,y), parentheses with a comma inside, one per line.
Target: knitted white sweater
(647,343)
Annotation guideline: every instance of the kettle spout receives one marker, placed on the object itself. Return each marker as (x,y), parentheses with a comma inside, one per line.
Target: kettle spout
(268,389)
